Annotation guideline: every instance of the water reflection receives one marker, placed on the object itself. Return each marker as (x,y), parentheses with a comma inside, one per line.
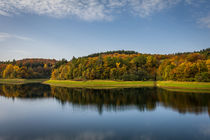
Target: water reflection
(113,99)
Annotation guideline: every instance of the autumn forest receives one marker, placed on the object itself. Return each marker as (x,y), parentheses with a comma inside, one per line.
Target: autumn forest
(114,65)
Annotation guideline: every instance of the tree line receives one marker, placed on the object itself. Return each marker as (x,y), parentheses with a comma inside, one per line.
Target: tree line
(115,65)
(136,66)
(27,68)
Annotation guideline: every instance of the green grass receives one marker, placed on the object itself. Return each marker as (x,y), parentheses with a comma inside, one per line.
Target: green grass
(21,81)
(105,84)
(99,83)
(185,85)
(201,87)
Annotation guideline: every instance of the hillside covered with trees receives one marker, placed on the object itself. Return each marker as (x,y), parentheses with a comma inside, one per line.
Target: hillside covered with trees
(115,65)
(27,68)
(122,65)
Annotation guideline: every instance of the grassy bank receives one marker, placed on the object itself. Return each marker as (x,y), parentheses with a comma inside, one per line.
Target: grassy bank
(21,81)
(185,86)
(169,85)
(190,85)
(100,83)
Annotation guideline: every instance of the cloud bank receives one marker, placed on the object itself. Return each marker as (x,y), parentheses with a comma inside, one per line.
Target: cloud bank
(85,9)
(91,10)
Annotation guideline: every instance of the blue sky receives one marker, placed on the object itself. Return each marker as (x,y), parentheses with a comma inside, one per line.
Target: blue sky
(66,28)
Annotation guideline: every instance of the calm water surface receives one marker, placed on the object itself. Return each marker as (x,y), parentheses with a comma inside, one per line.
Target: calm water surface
(41,112)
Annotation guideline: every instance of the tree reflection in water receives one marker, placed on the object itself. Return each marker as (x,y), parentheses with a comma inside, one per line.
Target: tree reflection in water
(145,99)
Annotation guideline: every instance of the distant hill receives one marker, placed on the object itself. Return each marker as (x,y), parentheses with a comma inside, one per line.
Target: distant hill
(34,62)
(27,68)
(112,52)
(204,51)
(37,60)
(131,65)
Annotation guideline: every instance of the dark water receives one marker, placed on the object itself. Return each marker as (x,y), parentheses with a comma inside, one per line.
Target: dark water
(41,112)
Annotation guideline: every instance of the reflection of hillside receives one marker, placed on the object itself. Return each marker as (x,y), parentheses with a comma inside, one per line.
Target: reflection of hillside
(113,99)
(25,91)
(184,102)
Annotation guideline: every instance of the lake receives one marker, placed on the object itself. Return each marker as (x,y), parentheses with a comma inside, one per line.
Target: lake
(42,112)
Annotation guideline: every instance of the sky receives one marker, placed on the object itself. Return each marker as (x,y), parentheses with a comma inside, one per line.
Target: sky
(59,29)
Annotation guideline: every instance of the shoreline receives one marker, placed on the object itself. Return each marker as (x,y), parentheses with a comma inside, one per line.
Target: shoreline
(99,84)
(202,87)
(21,81)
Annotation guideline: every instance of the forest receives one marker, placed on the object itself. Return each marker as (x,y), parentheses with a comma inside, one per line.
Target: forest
(133,66)
(27,68)
(115,65)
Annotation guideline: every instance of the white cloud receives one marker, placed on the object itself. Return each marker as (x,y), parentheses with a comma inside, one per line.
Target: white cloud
(4,13)
(146,7)
(205,21)
(6,36)
(86,9)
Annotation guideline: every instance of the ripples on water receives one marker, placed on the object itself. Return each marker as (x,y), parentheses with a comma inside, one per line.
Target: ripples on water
(37,111)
